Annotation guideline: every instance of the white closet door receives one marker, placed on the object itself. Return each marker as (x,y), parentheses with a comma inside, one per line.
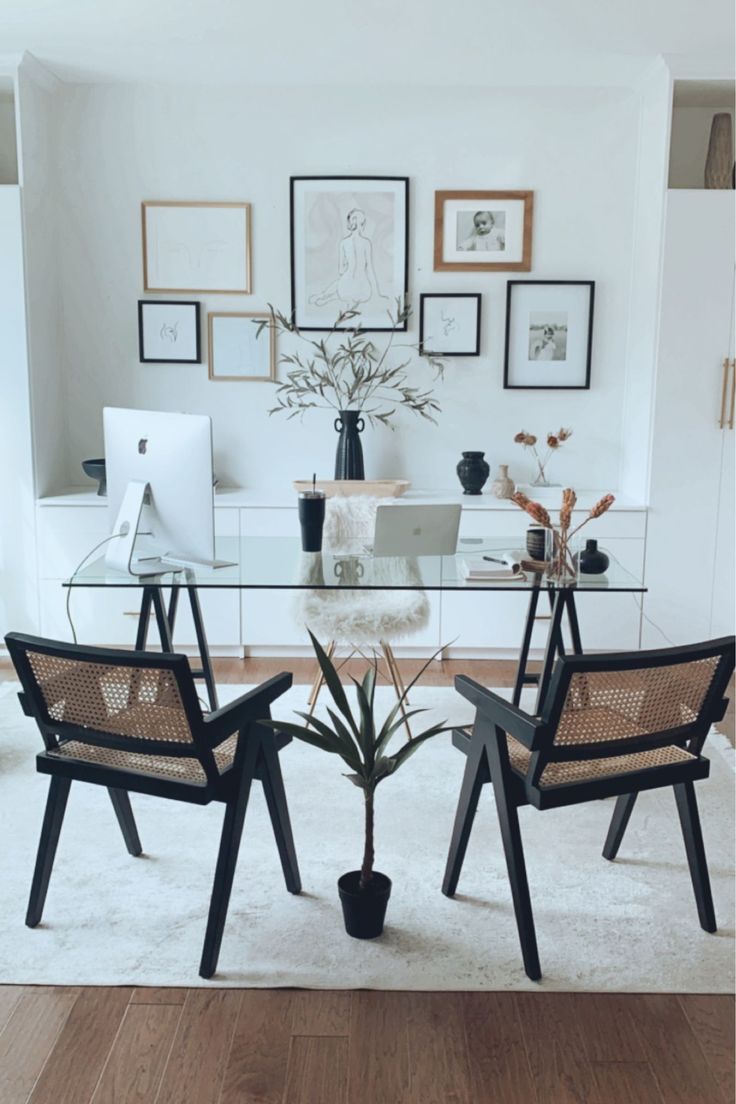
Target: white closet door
(724,569)
(687,444)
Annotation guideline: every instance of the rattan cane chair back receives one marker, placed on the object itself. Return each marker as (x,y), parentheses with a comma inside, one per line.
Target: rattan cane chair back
(123,710)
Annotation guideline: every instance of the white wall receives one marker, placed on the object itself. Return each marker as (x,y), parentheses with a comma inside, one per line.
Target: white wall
(119,145)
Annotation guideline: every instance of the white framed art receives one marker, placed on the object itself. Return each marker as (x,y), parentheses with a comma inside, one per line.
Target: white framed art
(196,247)
(349,250)
(239,347)
(168,332)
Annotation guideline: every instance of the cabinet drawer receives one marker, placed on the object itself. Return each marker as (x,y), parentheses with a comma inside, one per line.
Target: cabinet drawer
(67,534)
(269,522)
(110,615)
(621,524)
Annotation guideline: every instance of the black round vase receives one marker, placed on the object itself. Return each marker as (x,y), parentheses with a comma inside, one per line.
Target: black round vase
(349,455)
(473,471)
(592,560)
(364,910)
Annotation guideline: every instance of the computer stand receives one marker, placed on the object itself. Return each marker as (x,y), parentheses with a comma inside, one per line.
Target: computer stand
(153,600)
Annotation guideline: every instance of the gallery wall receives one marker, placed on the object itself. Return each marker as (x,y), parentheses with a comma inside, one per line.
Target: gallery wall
(117,145)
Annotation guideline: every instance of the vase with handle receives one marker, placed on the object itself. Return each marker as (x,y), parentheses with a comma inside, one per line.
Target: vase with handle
(349,455)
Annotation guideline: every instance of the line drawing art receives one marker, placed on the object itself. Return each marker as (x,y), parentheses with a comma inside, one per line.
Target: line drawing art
(356,282)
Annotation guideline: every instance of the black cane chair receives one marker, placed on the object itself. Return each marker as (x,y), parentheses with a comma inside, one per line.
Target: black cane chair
(610,726)
(131,721)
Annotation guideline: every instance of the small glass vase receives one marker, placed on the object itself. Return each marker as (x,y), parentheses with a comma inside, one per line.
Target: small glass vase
(563,560)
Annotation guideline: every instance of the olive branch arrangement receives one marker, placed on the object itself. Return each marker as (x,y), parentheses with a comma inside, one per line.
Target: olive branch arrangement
(347,370)
(562,564)
(554,441)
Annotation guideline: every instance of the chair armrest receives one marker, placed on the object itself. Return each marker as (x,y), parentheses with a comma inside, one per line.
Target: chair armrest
(514,721)
(248,707)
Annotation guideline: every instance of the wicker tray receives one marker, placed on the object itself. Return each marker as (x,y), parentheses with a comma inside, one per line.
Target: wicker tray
(376,488)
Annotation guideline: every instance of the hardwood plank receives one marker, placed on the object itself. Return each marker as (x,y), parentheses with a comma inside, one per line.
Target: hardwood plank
(256,1068)
(199,1056)
(607,1029)
(438,1056)
(153,995)
(9,997)
(76,1062)
(321,1012)
(317,1071)
(29,1037)
(496,1052)
(378,1058)
(136,1062)
(711,1018)
(626,1083)
(554,1045)
(673,1052)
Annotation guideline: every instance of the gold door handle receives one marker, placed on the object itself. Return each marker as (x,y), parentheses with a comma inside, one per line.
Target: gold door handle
(733,392)
(724,392)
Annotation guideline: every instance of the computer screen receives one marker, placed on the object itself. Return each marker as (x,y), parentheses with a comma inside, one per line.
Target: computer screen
(171,455)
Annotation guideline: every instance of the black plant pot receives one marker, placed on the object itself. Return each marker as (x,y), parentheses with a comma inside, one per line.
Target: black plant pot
(473,471)
(349,455)
(364,910)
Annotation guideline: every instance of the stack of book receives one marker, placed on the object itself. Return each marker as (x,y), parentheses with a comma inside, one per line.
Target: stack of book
(492,568)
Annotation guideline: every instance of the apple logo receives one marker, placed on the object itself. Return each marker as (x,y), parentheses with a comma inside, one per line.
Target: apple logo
(143,445)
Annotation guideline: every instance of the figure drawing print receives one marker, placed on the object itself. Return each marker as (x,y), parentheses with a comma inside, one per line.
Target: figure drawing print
(356,282)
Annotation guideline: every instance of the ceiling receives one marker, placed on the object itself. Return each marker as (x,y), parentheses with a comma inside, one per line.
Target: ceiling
(360,41)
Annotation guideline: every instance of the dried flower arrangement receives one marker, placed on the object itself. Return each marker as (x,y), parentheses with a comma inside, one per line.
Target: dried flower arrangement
(561,566)
(554,441)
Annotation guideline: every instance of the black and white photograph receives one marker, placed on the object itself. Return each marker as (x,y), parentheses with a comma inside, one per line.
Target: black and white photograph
(168,332)
(449,325)
(549,334)
(480,231)
(483,231)
(239,347)
(349,250)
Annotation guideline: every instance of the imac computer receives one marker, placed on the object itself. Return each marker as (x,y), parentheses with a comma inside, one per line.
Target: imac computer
(160,490)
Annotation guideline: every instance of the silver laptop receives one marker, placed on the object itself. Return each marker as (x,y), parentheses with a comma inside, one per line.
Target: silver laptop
(416,530)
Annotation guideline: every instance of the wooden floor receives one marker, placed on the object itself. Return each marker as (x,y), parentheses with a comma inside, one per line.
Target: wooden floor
(226,1046)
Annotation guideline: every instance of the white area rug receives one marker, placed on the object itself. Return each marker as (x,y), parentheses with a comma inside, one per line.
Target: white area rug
(111,919)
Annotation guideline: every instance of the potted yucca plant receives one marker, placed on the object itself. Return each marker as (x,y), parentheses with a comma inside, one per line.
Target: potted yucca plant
(363,746)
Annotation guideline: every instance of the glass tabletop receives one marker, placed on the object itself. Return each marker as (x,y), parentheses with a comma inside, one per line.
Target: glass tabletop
(278,563)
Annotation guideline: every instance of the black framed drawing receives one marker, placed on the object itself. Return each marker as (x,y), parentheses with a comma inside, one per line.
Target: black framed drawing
(168,332)
(449,325)
(549,334)
(349,250)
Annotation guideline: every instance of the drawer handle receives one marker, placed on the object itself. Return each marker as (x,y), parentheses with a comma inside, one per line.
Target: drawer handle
(135,613)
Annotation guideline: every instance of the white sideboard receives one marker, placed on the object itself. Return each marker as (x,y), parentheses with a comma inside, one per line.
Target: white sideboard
(261,622)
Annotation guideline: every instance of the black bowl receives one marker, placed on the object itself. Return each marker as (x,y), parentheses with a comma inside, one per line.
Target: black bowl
(95,469)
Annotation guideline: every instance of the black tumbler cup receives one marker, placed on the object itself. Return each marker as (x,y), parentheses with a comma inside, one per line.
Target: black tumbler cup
(311,519)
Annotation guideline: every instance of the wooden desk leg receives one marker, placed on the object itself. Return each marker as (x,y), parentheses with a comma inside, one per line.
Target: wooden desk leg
(141,635)
(521,675)
(162,620)
(204,651)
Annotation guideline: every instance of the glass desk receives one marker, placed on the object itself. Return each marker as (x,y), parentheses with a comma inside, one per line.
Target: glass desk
(277,563)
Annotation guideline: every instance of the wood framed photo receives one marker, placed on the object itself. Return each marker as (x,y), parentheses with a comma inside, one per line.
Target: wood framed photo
(168,332)
(449,325)
(196,247)
(549,334)
(349,250)
(483,231)
(239,349)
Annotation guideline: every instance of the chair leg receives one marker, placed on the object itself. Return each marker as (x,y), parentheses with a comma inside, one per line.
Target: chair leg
(126,820)
(227,857)
(508,819)
(619,821)
(687,807)
(273,788)
(476,774)
(52,821)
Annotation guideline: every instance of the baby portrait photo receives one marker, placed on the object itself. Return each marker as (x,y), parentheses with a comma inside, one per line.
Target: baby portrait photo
(481,231)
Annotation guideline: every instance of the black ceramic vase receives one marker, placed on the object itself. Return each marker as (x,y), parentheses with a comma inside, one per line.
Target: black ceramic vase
(349,455)
(364,910)
(592,560)
(473,471)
